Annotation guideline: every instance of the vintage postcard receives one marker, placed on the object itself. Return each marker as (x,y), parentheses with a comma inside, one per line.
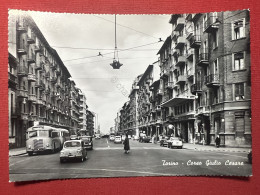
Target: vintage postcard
(129,95)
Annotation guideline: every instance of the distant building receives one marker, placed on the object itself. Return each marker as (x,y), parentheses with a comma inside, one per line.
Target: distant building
(90,123)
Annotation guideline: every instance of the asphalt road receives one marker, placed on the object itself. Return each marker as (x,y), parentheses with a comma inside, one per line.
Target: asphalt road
(145,159)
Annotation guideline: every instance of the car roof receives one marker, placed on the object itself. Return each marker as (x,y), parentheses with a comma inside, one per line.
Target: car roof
(74,140)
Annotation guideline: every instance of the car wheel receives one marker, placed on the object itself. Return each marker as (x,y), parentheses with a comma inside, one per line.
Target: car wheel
(30,153)
(61,161)
(180,147)
(82,159)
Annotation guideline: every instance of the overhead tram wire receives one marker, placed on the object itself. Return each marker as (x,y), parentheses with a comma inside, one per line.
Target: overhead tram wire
(126,27)
(119,50)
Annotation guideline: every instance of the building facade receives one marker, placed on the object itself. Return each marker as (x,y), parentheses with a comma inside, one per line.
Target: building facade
(40,90)
(90,123)
(204,88)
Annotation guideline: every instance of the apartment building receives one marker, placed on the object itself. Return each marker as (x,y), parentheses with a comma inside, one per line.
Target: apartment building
(211,77)
(40,91)
(90,123)
(82,111)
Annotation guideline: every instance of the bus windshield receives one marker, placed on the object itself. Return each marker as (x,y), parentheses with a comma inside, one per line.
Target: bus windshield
(43,133)
(32,134)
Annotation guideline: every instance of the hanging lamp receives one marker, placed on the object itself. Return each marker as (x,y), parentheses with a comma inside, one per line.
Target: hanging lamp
(116,64)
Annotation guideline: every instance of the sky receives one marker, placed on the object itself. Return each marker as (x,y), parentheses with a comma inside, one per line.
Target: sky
(78,39)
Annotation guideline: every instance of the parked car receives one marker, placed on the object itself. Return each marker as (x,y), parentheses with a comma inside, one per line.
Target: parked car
(136,137)
(118,140)
(73,149)
(145,139)
(111,138)
(175,142)
(164,141)
(87,141)
(97,136)
(73,137)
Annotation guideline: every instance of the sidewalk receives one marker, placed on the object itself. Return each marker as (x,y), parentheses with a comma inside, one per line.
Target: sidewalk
(17,151)
(200,147)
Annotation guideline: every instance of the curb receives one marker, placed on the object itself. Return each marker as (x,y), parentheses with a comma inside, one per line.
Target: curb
(10,155)
(212,150)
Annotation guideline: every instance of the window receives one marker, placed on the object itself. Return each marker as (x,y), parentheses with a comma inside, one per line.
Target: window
(216,67)
(215,39)
(238,29)
(239,91)
(238,61)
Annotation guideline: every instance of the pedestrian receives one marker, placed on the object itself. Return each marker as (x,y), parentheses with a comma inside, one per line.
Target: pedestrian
(217,140)
(126,145)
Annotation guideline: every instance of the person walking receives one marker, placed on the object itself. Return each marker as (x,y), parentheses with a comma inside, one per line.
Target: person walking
(126,145)
(217,140)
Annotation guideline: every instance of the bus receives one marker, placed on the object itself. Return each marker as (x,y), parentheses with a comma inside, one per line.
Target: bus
(64,135)
(42,138)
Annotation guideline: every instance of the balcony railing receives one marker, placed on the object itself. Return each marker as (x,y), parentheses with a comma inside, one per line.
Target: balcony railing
(180,42)
(31,58)
(180,79)
(196,88)
(12,78)
(31,38)
(189,31)
(32,97)
(31,77)
(22,93)
(211,24)
(212,80)
(169,85)
(22,71)
(190,53)
(180,60)
(203,59)
(22,49)
(195,41)
(179,24)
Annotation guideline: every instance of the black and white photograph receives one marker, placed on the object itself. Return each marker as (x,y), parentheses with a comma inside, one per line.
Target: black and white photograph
(110,95)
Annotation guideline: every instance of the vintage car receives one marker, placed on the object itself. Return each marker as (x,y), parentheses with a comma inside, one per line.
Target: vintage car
(73,149)
(164,141)
(175,142)
(145,139)
(112,138)
(87,141)
(118,140)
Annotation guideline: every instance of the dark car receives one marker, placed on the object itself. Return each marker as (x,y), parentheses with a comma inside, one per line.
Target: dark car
(145,139)
(87,142)
(164,141)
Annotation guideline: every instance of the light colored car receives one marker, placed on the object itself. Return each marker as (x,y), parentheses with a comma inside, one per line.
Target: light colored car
(175,142)
(111,138)
(73,149)
(118,140)
(87,142)
(136,137)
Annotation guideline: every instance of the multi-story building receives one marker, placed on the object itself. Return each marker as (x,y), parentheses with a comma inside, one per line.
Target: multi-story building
(211,77)
(133,108)
(39,86)
(82,111)
(90,123)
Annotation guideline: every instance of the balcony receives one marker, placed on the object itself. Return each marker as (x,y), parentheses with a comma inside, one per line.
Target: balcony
(39,66)
(211,24)
(179,98)
(42,85)
(38,84)
(31,38)
(196,88)
(31,58)
(189,31)
(179,24)
(53,80)
(195,41)
(180,42)
(31,77)
(175,52)
(21,28)
(53,66)
(12,79)
(180,60)
(181,79)
(39,48)
(39,101)
(22,93)
(32,97)
(22,50)
(190,73)
(190,54)
(203,59)
(195,17)
(212,80)
(22,71)
(165,73)
(169,85)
